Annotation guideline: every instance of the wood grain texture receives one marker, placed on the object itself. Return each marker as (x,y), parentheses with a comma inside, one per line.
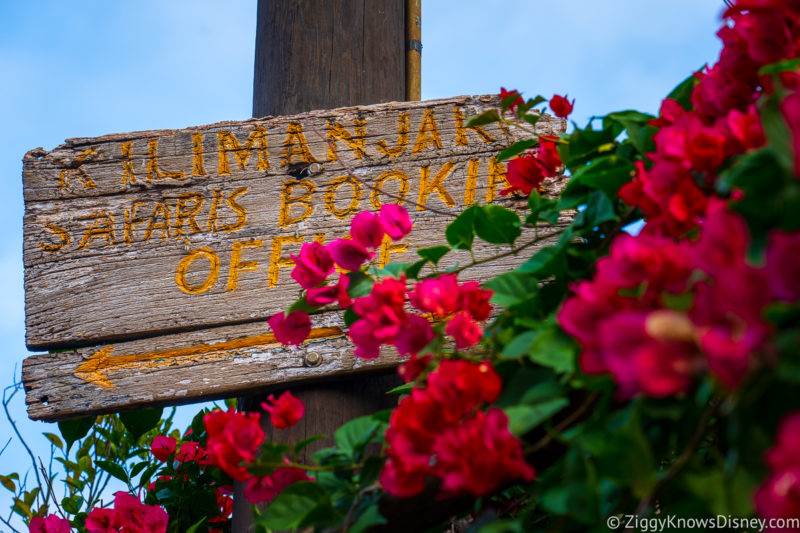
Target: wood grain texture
(313,54)
(133,235)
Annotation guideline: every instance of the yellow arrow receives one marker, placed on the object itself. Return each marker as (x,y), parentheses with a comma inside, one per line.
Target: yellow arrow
(101,363)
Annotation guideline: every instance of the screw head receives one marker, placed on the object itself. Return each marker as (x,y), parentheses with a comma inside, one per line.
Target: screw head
(313,359)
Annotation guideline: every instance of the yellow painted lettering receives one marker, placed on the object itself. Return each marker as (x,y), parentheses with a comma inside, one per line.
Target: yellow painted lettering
(276,258)
(229,143)
(103,226)
(183,267)
(237,265)
(288,200)
(131,220)
(403,127)
(241,213)
(497,176)
(185,213)
(355,142)
(160,211)
(62,234)
(461,131)
(387,249)
(389,175)
(330,196)
(427,186)
(219,196)
(154,172)
(428,133)
(128,177)
(472,181)
(74,170)
(198,168)
(296,145)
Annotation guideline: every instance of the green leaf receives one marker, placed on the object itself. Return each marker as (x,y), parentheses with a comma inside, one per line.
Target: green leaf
(433,253)
(301,304)
(607,173)
(497,225)
(503,526)
(194,527)
(787,65)
(113,469)
(370,517)
(582,143)
(303,444)
(413,271)
(519,346)
(360,284)
(394,270)
(138,467)
(8,482)
(356,433)
(461,232)
(599,209)
(512,287)
(552,348)
(405,388)
(72,504)
(683,92)
(55,440)
(547,261)
(509,100)
(777,131)
(523,418)
(487,117)
(74,430)
(350,317)
(140,422)
(290,507)
(516,148)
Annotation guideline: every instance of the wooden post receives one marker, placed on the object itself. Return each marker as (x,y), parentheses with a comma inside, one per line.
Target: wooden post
(317,54)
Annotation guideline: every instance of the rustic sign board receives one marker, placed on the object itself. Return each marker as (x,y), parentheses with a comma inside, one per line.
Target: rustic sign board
(153,258)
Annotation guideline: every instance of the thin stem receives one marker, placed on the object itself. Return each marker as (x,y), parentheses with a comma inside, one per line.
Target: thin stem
(350,173)
(356,500)
(683,458)
(6,522)
(6,401)
(512,251)
(50,490)
(564,424)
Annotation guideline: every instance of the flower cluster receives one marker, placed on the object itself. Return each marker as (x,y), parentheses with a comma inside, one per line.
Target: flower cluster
(128,515)
(316,262)
(658,311)
(383,319)
(49,524)
(779,495)
(440,431)
(692,145)
(234,439)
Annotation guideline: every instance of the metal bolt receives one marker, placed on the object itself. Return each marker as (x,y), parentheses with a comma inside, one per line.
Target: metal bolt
(312,359)
(314,168)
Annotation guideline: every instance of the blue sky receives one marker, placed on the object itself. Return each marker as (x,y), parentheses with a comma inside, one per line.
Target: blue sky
(90,67)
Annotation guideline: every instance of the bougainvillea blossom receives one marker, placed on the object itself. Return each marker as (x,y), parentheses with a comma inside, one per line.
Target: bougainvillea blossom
(285,411)
(233,438)
(293,328)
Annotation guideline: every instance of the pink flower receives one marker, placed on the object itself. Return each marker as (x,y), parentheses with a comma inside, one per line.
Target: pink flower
(415,335)
(746,127)
(162,447)
(413,367)
(561,106)
(395,220)
(329,294)
(49,524)
(349,254)
(312,266)
(779,495)
(480,455)
(292,329)
(382,316)
(524,174)
(439,296)
(264,489)
(191,451)
(464,330)
(129,515)
(783,265)
(503,94)
(475,300)
(366,229)
(286,411)
(233,438)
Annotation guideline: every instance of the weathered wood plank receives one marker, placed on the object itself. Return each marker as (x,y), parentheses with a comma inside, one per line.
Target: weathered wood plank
(133,235)
(198,365)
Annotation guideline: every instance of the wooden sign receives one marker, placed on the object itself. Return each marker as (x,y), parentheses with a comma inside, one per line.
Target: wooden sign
(158,255)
